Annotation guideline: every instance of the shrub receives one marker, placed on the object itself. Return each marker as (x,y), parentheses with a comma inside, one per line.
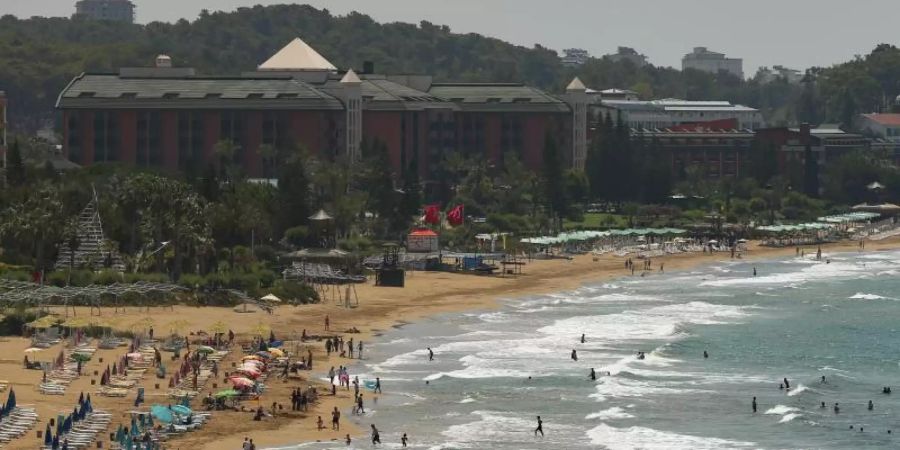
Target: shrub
(297,236)
(295,292)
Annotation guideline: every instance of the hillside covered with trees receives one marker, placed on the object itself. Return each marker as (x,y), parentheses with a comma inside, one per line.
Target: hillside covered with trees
(38,57)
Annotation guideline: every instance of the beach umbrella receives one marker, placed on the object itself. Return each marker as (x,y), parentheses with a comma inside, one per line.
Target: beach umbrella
(249,373)
(83,357)
(120,433)
(205,349)
(33,350)
(59,423)
(88,405)
(183,410)
(265,355)
(44,322)
(251,357)
(276,352)
(261,329)
(67,424)
(135,355)
(81,398)
(161,413)
(227,393)
(133,424)
(150,421)
(48,436)
(10,401)
(241,382)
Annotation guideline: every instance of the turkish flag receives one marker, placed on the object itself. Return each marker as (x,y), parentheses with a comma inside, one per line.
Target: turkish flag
(432,214)
(456,215)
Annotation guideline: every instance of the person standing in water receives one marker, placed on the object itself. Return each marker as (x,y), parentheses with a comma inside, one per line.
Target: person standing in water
(540,427)
(871,405)
(582,338)
(787,385)
(837,408)
(574,355)
(593,375)
(754,404)
(376,437)
(754,271)
(430,354)
(705,354)
(403,440)
(377,386)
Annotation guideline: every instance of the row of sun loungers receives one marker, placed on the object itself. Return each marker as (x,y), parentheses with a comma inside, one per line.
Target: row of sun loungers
(85,432)
(19,422)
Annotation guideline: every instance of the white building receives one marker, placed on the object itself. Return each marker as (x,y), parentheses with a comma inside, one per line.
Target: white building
(766,75)
(712,62)
(886,126)
(661,114)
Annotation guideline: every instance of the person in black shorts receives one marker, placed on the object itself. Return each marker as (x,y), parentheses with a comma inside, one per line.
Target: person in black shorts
(376,438)
(540,427)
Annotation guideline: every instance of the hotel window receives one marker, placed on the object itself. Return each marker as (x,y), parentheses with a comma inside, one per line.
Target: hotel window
(74,137)
(190,140)
(149,136)
(233,130)
(106,137)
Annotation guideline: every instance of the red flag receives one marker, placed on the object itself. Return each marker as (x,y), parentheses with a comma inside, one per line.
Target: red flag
(456,215)
(432,214)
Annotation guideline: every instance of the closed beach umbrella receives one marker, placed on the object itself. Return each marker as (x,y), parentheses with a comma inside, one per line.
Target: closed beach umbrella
(10,402)
(48,436)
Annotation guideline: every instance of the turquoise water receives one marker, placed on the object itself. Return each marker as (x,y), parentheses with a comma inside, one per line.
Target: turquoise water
(799,319)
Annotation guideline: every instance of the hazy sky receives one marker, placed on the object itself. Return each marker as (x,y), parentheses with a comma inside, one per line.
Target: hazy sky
(795,33)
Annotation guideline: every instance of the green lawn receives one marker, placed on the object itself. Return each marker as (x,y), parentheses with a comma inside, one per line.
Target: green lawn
(593,221)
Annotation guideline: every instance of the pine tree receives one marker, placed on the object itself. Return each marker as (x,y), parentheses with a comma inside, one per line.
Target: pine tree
(15,168)
(553,179)
(810,172)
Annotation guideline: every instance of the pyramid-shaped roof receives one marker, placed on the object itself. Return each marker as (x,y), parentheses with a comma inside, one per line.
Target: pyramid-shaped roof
(297,55)
(576,85)
(350,78)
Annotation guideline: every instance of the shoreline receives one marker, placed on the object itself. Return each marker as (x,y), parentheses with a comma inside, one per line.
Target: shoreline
(426,294)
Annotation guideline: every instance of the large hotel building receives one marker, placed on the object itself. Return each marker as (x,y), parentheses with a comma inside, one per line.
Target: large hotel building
(172,117)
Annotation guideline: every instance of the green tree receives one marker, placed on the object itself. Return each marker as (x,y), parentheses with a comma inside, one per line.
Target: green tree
(15,168)
(37,223)
(553,179)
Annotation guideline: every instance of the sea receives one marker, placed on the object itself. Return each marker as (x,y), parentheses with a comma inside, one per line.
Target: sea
(799,318)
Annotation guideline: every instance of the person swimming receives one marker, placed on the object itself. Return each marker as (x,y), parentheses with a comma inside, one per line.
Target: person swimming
(705,354)
(823,405)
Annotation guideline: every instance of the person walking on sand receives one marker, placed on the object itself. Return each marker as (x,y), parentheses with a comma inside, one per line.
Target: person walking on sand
(376,438)
(336,419)
(359,348)
(540,427)
(430,354)
(327,323)
(320,424)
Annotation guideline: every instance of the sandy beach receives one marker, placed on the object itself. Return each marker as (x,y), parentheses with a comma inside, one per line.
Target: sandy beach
(425,294)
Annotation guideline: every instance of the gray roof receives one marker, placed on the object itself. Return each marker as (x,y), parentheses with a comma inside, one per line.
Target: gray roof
(114,91)
(381,94)
(498,97)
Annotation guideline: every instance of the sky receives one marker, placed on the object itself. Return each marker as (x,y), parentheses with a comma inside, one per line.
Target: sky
(793,33)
